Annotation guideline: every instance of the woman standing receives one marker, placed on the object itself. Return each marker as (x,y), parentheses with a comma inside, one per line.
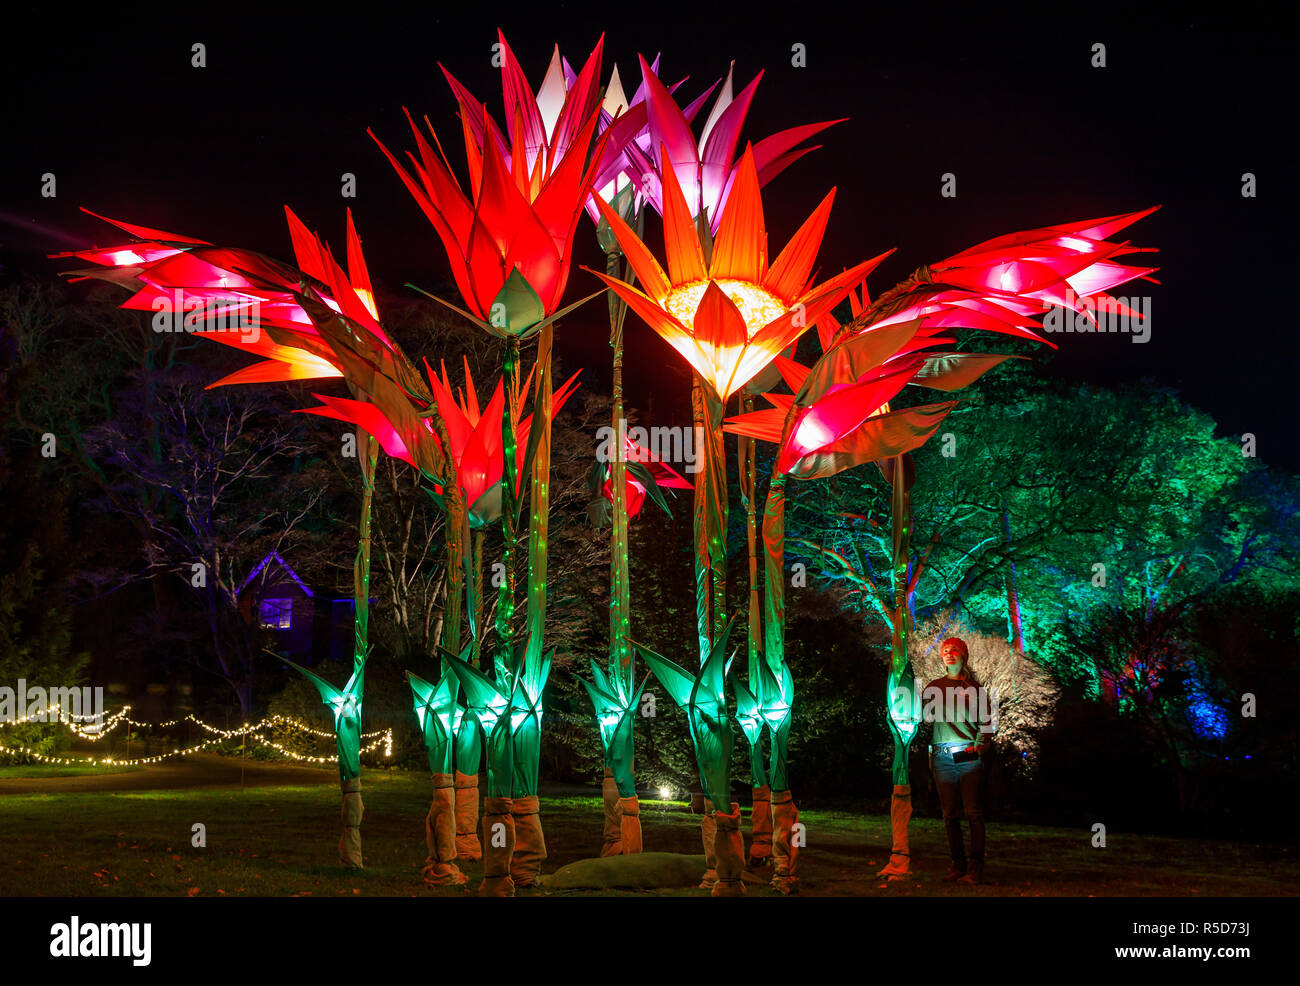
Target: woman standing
(958,706)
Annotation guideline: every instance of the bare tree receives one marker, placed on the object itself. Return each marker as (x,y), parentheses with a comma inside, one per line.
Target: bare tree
(224,495)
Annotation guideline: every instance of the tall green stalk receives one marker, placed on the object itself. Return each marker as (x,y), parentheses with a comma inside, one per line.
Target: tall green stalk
(475,586)
(899,666)
(361,565)
(535,665)
(620,653)
(710,517)
(747,469)
(509,467)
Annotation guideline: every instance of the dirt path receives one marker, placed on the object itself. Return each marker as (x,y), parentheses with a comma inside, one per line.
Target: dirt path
(195,770)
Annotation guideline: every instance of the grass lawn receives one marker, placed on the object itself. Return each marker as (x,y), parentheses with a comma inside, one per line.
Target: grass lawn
(62,770)
(281,841)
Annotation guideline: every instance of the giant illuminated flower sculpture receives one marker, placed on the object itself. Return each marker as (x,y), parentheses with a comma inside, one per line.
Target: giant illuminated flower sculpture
(838,417)
(1053,265)
(731,314)
(620,122)
(704,172)
(509,237)
(313,322)
(625,125)
(629,140)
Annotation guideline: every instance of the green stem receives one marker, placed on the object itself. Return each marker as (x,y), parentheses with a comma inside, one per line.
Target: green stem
(710,518)
(901,521)
(361,566)
(720,509)
(506,591)
(453,499)
(620,653)
(539,506)
(701,524)
(901,517)
(476,596)
(747,471)
(773,573)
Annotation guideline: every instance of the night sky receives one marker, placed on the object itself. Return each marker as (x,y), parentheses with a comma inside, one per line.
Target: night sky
(1034,134)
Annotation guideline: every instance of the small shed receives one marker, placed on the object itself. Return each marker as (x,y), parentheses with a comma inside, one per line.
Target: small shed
(309,625)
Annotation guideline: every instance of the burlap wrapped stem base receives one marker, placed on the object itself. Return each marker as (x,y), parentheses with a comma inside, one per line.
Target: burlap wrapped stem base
(729,853)
(467,844)
(724,849)
(498,847)
(709,839)
(440,868)
(513,845)
(760,843)
(785,842)
(900,813)
(622,819)
(613,844)
(629,820)
(530,845)
(352,810)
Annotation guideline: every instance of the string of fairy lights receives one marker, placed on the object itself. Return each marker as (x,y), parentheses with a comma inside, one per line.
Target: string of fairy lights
(94,728)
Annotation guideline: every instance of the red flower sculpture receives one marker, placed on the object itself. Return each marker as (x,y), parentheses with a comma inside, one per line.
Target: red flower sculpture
(731,316)
(509,237)
(474,435)
(662,474)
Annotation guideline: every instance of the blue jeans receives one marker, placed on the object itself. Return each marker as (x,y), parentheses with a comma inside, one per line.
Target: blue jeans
(964,783)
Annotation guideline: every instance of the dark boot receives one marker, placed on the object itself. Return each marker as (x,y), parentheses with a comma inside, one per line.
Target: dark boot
(974,873)
(956,870)
(956,848)
(976,820)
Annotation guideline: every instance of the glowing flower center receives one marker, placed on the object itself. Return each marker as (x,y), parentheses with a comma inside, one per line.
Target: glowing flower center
(757,306)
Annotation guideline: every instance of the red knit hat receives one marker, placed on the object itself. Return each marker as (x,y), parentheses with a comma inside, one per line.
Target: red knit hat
(958,643)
